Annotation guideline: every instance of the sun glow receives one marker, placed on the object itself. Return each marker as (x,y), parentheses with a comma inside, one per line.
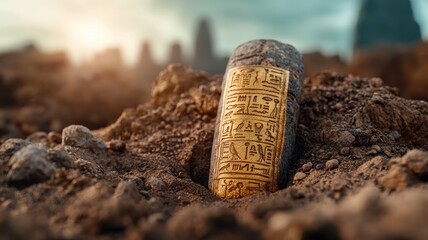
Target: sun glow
(86,38)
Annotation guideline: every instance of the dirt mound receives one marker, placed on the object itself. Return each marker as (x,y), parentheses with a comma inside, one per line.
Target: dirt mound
(145,176)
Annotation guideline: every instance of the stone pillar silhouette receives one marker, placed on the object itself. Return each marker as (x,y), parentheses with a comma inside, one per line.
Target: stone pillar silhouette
(176,55)
(386,22)
(204,58)
(148,69)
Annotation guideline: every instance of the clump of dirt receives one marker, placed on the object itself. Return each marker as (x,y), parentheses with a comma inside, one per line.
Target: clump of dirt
(145,176)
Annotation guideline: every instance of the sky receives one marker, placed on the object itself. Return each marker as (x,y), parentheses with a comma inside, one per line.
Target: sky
(83,27)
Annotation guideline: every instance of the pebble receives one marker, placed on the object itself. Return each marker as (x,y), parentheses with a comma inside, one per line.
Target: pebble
(127,190)
(406,171)
(417,162)
(377,148)
(155,183)
(338,183)
(338,106)
(13,145)
(299,176)
(332,164)
(180,107)
(307,167)
(345,151)
(346,139)
(371,152)
(318,166)
(395,135)
(397,177)
(362,138)
(81,137)
(28,166)
(54,137)
(60,158)
(117,145)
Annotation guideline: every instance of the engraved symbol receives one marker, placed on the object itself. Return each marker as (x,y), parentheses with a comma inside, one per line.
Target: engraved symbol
(235,80)
(258,129)
(242,98)
(239,127)
(228,113)
(275,109)
(240,109)
(256,80)
(269,136)
(225,167)
(247,144)
(261,153)
(235,191)
(249,127)
(234,152)
(226,186)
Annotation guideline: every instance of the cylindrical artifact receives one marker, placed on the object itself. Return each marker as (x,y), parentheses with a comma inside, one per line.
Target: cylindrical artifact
(256,119)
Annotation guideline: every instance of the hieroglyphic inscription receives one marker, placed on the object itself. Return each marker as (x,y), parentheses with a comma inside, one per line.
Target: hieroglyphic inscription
(251,131)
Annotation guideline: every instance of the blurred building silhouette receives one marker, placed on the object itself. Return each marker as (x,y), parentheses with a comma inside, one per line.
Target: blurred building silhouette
(204,57)
(386,22)
(204,54)
(176,54)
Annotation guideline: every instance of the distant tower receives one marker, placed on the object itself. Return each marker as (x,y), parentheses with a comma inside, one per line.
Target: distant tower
(386,22)
(176,55)
(146,59)
(204,57)
(147,69)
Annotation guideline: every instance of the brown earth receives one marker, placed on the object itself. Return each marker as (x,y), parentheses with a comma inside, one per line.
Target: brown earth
(355,174)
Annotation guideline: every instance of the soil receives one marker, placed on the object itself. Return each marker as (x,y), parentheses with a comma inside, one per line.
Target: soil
(359,170)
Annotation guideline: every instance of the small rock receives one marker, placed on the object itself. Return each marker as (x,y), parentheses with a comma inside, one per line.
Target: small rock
(338,106)
(28,166)
(117,145)
(338,184)
(388,153)
(395,135)
(417,162)
(376,82)
(127,190)
(362,138)
(318,166)
(332,164)
(155,183)
(13,145)
(377,148)
(180,107)
(397,177)
(279,221)
(307,167)
(60,158)
(38,137)
(345,151)
(299,176)
(406,171)
(54,137)
(372,168)
(371,152)
(81,137)
(346,139)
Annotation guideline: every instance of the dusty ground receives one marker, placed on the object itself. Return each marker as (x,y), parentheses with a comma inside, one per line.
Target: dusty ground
(360,170)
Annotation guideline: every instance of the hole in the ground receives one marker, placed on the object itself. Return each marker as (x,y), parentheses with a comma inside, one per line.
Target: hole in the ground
(199,163)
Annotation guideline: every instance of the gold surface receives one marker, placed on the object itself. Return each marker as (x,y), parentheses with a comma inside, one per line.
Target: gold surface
(251,134)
